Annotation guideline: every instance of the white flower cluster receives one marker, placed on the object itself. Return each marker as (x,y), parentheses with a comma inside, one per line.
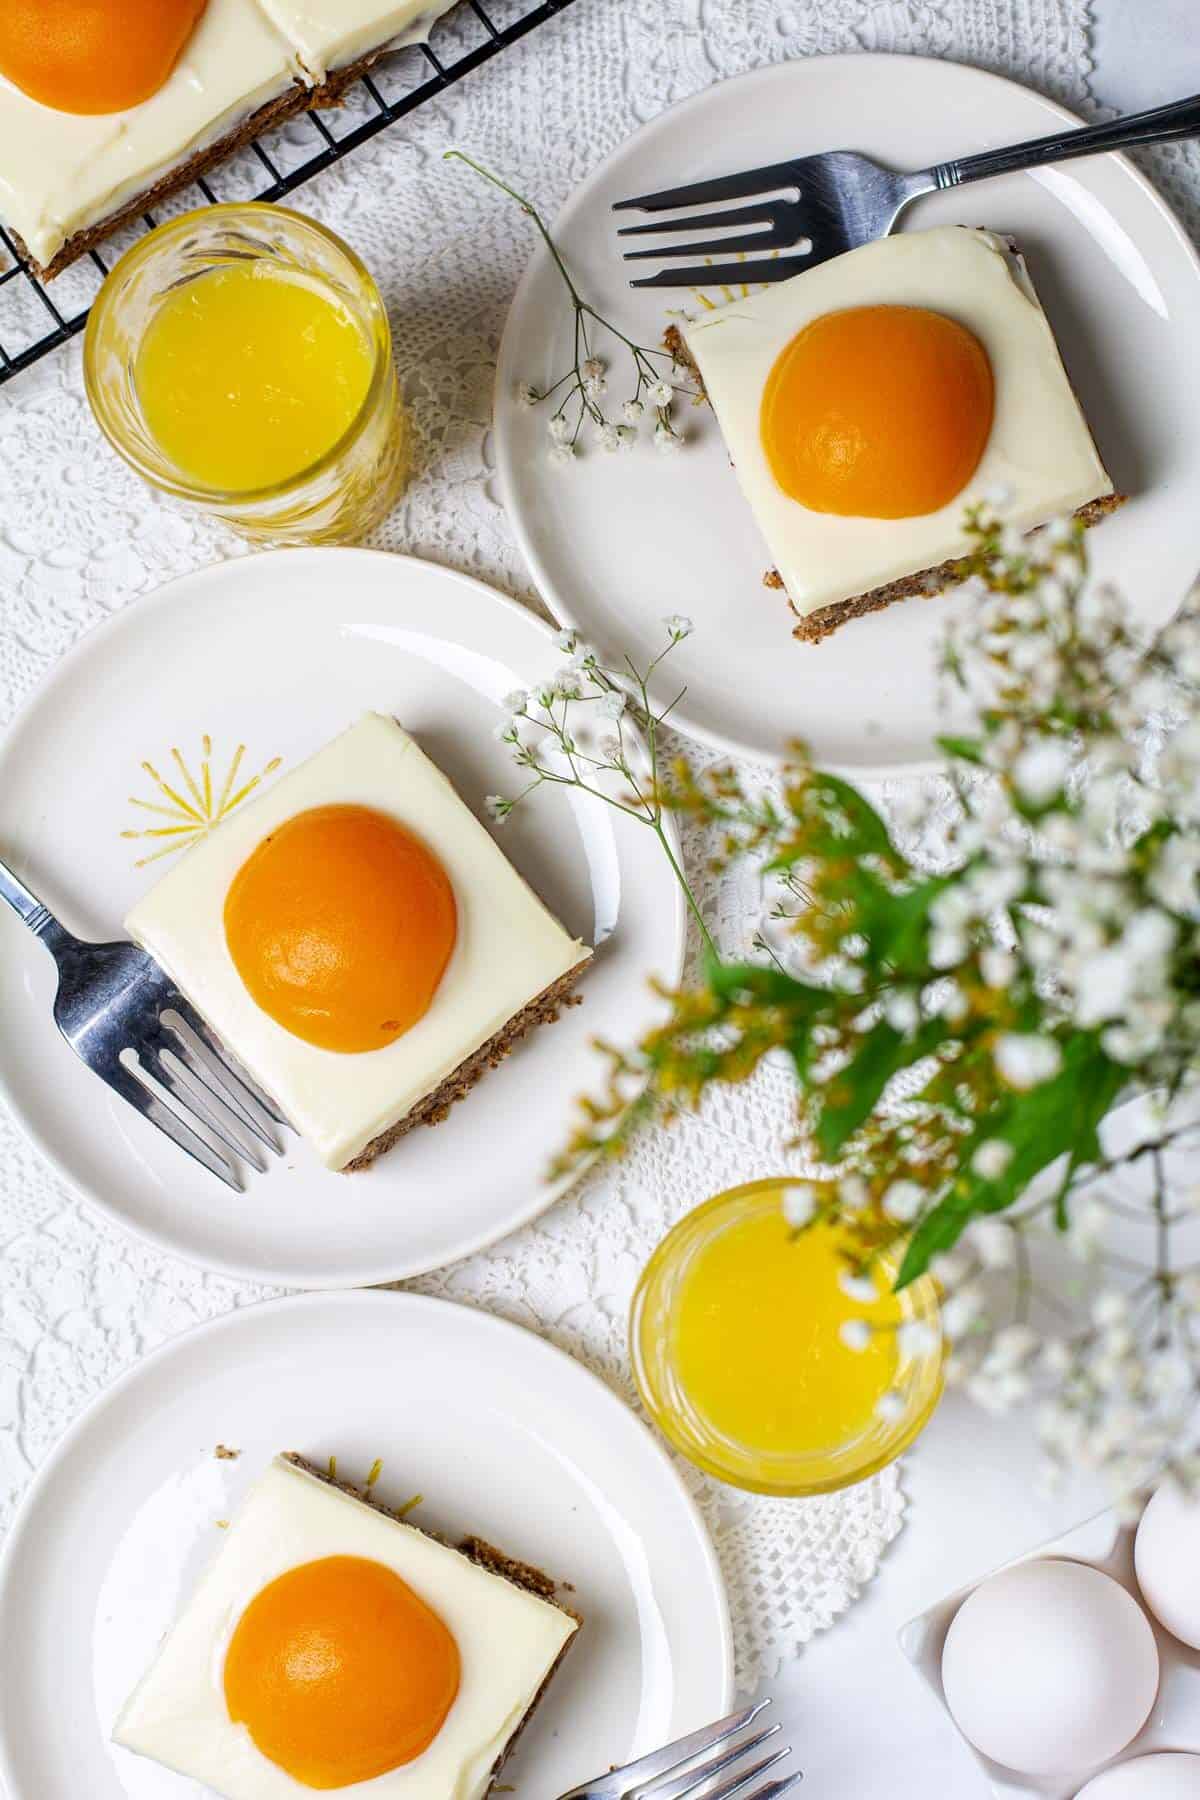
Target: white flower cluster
(572,728)
(581,395)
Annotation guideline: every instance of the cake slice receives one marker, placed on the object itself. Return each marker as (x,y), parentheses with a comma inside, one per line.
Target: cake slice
(860,473)
(68,180)
(360,943)
(331,1642)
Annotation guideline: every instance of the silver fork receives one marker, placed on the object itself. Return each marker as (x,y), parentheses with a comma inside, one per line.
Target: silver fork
(843,199)
(114,1001)
(675,1772)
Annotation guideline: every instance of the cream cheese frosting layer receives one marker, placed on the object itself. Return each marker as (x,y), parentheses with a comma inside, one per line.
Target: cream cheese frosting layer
(326,34)
(60,172)
(509,947)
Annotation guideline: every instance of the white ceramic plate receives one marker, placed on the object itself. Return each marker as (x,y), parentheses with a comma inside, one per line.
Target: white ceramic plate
(1174,1723)
(279,653)
(503,1435)
(617,541)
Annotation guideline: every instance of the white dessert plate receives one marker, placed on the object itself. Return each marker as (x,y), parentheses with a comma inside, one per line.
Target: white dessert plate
(1174,1724)
(504,1437)
(616,541)
(277,654)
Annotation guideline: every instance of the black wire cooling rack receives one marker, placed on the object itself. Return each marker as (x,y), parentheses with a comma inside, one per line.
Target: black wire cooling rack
(36,317)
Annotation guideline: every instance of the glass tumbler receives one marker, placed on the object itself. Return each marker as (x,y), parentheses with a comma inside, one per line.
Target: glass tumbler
(346,490)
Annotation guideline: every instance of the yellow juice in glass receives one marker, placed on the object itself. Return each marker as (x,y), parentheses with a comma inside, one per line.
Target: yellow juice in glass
(247,376)
(240,359)
(738,1347)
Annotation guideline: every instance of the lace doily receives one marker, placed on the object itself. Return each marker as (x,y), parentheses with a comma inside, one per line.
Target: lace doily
(80,536)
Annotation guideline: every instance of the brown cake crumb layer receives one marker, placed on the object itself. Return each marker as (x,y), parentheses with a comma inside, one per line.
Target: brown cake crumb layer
(820,624)
(486,1556)
(544,1010)
(294,100)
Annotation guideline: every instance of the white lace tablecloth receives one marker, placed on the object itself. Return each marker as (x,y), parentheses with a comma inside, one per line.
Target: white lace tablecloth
(80,537)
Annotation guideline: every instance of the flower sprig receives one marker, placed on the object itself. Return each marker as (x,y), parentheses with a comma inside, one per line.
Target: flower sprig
(593,728)
(966,989)
(581,394)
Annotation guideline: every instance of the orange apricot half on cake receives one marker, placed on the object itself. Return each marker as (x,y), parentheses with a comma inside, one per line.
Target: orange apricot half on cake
(93,56)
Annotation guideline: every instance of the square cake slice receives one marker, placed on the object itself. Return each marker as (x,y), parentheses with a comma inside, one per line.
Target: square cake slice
(66,179)
(869,402)
(360,943)
(330,1643)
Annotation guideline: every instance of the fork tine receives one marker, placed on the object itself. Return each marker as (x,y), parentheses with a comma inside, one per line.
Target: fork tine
(699,1773)
(724,187)
(734,215)
(200,1104)
(125,1083)
(774,1790)
(686,1749)
(176,1002)
(220,1084)
(779,237)
(764,268)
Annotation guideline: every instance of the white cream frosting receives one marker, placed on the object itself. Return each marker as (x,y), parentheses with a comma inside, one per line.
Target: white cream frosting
(329,33)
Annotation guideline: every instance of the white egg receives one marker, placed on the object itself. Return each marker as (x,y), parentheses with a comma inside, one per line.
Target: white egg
(1169,1776)
(1050,1667)
(1167,1557)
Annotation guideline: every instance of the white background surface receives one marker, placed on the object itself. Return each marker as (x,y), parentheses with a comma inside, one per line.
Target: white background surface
(78,537)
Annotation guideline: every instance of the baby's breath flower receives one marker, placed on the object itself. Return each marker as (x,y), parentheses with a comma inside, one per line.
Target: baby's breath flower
(613,704)
(990,1161)
(562,454)
(855,1334)
(609,438)
(678,626)
(903,1201)
(858,1287)
(800,1204)
(1025,1060)
(890,1408)
(632,411)
(528,396)
(666,439)
(917,1337)
(560,429)
(661,393)
(498,808)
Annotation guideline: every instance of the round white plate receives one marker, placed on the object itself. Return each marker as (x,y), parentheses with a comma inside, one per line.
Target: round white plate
(279,653)
(614,542)
(504,1437)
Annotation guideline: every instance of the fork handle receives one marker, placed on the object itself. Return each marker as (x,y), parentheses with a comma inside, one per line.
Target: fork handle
(40,920)
(1163,124)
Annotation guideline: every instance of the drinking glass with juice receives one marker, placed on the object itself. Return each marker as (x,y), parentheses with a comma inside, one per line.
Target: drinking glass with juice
(240,359)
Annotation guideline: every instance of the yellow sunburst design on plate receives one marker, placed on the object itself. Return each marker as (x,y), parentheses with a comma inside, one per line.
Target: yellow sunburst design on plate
(188,804)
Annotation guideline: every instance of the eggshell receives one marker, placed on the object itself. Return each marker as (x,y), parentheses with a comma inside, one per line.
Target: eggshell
(1050,1667)
(1167,1559)
(1169,1776)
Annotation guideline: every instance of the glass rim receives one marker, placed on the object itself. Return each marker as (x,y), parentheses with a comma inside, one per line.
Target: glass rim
(795,1484)
(131,264)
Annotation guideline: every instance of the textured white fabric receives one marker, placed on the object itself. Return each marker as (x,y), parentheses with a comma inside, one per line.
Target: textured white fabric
(79,537)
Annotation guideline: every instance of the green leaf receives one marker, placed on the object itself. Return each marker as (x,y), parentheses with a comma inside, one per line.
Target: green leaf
(1060,1117)
(961,748)
(854,1092)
